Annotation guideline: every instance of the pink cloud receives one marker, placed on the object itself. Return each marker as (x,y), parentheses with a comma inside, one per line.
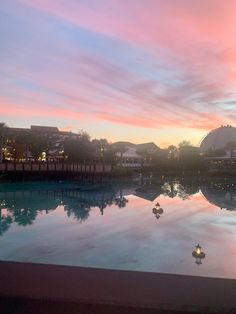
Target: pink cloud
(71,100)
(37,108)
(194,40)
(152,22)
(67,128)
(198,36)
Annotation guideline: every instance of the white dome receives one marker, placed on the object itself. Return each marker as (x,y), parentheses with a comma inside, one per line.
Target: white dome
(218,138)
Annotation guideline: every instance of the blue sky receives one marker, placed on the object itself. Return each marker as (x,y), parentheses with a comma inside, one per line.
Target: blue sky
(147,70)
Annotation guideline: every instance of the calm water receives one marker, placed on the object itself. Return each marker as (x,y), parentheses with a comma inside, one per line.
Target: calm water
(144,226)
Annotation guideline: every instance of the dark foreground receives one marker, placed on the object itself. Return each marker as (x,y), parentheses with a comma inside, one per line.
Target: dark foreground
(21,306)
(33,288)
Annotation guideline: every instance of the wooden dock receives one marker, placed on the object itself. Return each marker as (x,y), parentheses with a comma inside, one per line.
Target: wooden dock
(51,167)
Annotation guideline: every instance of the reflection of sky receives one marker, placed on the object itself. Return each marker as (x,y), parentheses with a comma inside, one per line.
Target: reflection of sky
(131,238)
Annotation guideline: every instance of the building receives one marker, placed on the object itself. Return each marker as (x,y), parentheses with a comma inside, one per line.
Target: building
(16,146)
(218,148)
(135,155)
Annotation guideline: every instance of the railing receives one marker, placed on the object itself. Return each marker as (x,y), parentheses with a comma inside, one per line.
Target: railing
(55,167)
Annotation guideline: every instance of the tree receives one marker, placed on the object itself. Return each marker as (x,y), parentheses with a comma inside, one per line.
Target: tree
(189,156)
(100,147)
(84,135)
(172,152)
(24,216)
(25,139)
(104,151)
(3,132)
(39,143)
(121,201)
(184,143)
(5,222)
(80,148)
(80,211)
(121,149)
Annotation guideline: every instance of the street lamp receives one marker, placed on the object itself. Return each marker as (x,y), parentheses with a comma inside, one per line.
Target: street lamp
(198,254)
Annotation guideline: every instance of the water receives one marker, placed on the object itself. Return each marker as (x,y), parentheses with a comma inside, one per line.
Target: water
(146,225)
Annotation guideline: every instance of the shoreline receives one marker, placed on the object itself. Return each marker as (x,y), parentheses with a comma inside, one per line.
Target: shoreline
(129,175)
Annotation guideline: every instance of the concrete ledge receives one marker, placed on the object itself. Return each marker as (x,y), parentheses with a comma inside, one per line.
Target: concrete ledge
(116,288)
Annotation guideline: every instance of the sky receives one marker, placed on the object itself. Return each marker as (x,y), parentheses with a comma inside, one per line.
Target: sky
(136,70)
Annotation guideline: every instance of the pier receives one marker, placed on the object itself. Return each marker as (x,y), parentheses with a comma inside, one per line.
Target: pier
(52,170)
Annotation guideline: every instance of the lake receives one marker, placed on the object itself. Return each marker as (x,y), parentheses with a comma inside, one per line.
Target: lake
(140,225)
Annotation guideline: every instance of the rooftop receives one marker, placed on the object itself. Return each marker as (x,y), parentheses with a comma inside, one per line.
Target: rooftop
(47,129)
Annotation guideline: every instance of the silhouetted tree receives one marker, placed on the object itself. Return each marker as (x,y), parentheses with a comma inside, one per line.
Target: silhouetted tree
(189,156)
(103,150)
(24,216)
(80,211)
(172,152)
(120,200)
(5,222)
(3,132)
(80,148)
(120,148)
(184,143)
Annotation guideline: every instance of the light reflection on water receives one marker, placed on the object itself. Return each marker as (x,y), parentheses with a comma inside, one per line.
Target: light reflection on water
(144,226)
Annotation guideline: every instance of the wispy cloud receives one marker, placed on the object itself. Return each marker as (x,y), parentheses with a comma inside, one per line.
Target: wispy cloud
(147,63)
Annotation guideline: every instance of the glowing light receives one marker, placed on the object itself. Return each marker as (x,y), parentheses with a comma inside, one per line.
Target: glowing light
(198,254)
(198,250)
(43,156)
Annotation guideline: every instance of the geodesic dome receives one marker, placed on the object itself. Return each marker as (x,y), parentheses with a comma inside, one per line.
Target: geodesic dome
(218,138)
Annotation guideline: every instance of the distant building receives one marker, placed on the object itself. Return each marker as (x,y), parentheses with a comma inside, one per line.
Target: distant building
(218,148)
(135,155)
(55,153)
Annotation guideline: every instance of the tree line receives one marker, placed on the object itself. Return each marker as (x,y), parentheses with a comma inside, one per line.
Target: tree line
(36,146)
(25,145)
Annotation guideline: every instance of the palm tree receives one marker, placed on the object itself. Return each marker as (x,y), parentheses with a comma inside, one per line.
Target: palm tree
(172,152)
(120,148)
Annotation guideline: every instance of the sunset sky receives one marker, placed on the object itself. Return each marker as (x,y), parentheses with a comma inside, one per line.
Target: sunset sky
(136,70)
